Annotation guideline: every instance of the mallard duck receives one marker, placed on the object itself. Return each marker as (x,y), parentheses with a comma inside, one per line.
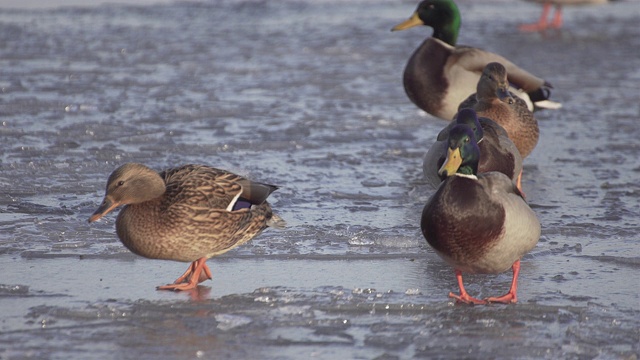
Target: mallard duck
(478,223)
(440,75)
(189,213)
(494,101)
(556,22)
(499,153)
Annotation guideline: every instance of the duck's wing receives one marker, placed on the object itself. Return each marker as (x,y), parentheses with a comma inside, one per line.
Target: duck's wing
(498,152)
(521,225)
(475,59)
(533,89)
(433,160)
(202,186)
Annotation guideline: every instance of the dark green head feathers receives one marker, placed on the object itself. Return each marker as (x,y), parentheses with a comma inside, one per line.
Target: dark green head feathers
(442,15)
(470,118)
(463,153)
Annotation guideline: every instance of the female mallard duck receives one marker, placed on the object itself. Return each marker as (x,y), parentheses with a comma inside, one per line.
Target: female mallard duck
(189,213)
(556,22)
(479,224)
(440,75)
(493,100)
(498,151)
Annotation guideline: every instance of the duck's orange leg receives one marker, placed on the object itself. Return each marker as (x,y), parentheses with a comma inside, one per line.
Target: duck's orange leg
(206,275)
(556,23)
(542,23)
(511,297)
(197,272)
(464,296)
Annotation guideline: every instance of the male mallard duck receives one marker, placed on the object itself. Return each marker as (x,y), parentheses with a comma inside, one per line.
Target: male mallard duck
(498,152)
(440,75)
(189,213)
(479,224)
(556,22)
(493,100)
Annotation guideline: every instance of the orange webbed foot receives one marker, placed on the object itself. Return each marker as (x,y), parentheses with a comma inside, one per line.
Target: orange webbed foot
(197,272)
(464,296)
(467,299)
(511,297)
(178,287)
(508,298)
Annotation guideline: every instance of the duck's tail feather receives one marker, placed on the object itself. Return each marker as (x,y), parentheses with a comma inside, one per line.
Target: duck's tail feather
(547,104)
(276,222)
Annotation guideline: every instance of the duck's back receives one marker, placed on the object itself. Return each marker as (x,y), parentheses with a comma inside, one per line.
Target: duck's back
(438,76)
(498,152)
(201,186)
(517,120)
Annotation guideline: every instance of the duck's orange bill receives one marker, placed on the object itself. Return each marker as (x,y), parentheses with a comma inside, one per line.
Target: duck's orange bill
(414,20)
(106,207)
(451,163)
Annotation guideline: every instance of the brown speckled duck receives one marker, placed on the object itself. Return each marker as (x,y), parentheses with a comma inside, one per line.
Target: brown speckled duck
(440,74)
(189,213)
(479,224)
(499,153)
(494,101)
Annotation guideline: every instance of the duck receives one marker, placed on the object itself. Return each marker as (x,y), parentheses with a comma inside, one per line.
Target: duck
(556,23)
(499,153)
(478,223)
(188,213)
(441,74)
(494,101)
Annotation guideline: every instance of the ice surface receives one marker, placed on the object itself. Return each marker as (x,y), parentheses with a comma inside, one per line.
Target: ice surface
(306,95)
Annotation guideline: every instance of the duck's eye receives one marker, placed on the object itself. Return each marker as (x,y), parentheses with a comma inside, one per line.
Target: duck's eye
(466,140)
(121,182)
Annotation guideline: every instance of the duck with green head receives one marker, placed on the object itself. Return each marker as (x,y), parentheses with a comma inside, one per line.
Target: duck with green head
(441,74)
(478,223)
(499,153)
(189,213)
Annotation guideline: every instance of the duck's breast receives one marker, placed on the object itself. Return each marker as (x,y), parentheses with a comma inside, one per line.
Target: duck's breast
(425,79)
(461,223)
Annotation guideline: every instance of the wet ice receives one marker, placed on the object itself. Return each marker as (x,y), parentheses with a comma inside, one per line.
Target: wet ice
(306,98)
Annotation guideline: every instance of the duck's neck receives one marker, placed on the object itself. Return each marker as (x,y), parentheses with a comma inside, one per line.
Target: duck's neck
(449,32)
(467,170)
(468,176)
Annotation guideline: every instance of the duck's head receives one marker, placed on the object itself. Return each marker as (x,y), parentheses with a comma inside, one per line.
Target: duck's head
(442,15)
(469,117)
(131,183)
(493,84)
(463,153)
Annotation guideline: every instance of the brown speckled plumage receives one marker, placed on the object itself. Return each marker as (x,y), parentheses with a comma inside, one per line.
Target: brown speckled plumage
(185,213)
(508,110)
